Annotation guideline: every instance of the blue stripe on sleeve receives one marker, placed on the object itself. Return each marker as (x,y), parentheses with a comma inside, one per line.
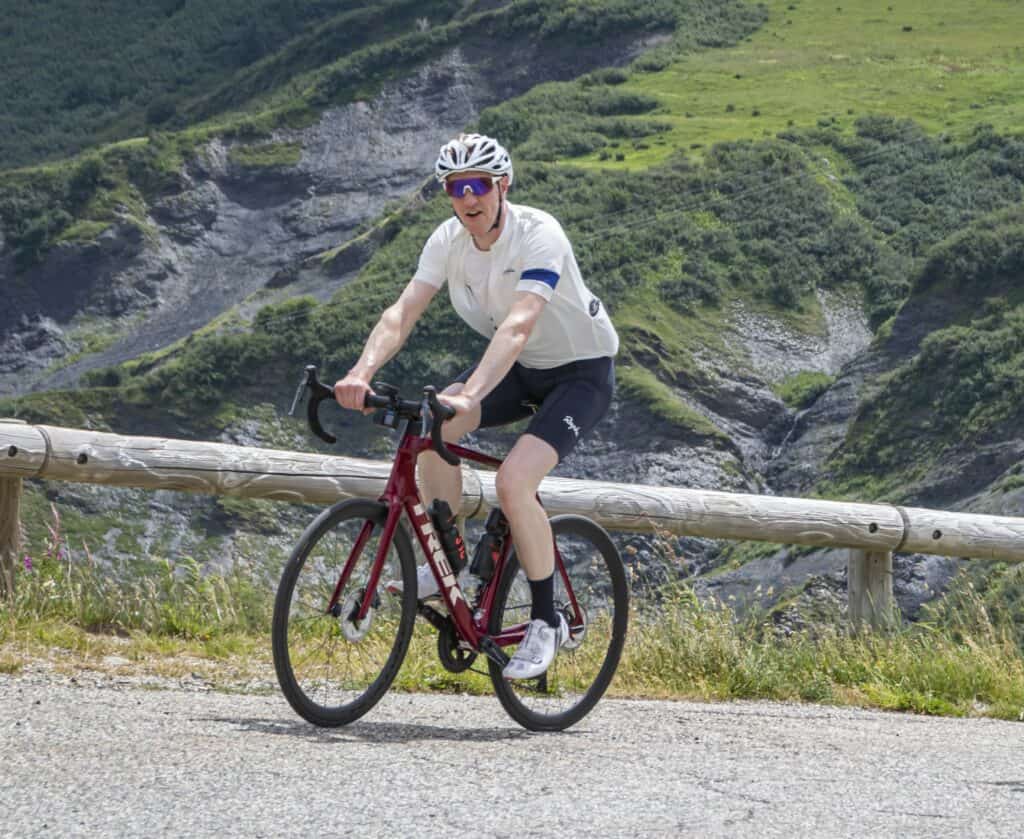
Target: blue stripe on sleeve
(542,274)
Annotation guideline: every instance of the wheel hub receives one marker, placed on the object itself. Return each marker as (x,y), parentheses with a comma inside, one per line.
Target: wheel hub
(576,636)
(352,629)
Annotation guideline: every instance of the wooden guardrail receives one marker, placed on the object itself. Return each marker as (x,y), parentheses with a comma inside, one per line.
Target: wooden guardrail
(872,532)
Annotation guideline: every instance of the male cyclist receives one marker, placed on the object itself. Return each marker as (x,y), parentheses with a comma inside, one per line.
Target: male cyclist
(512,277)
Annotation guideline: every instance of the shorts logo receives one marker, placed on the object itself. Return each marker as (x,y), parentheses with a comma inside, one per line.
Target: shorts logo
(595,307)
(571,423)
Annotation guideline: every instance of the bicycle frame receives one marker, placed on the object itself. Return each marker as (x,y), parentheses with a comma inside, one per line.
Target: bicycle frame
(401,494)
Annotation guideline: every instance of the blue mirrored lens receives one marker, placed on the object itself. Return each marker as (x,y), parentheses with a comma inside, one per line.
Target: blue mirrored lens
(458,187)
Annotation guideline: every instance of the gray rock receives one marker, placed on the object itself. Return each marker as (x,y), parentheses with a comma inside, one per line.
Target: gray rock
(230,231)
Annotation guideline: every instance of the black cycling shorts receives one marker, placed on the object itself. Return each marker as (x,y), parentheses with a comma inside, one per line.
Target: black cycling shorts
(566,401)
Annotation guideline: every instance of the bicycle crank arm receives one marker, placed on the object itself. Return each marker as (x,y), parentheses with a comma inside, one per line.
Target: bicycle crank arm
(490,648)
(431,616)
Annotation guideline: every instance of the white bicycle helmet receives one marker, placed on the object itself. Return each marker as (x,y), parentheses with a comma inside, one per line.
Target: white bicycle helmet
(473,153)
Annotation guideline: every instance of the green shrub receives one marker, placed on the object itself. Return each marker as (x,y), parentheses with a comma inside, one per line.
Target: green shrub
(800,390)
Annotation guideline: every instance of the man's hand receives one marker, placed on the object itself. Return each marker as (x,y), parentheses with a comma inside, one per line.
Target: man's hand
(351,393)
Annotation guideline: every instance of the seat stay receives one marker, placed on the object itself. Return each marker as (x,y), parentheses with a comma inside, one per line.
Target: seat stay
(577,617)
(514,634)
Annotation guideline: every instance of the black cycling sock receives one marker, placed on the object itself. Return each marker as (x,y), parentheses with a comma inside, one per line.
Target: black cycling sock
(543,607)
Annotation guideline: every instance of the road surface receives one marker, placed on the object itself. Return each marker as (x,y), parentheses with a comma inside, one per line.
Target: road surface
(102,757)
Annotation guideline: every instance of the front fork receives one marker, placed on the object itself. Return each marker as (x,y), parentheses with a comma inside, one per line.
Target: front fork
(369,595)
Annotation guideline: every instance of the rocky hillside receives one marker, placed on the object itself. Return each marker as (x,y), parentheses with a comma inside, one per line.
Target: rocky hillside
(831,309)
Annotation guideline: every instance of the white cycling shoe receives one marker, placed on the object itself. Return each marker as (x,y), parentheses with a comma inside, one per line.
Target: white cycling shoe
(537,650)
(426,584)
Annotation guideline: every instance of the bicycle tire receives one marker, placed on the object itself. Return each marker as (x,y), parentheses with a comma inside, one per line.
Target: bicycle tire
(306,638)
(580,674)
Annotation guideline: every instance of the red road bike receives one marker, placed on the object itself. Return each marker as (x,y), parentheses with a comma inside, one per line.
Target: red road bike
(340,633)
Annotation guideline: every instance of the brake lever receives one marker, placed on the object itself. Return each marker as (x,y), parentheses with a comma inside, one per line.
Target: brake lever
(425,417)
(318,392)
(439,413)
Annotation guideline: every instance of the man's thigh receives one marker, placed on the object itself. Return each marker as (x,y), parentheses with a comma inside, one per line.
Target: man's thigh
(509,402)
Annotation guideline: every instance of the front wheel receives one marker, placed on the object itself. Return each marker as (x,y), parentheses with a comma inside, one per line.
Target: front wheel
(595,604)
(333,666)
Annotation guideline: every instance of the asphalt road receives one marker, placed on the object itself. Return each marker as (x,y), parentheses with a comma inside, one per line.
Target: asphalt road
(108,758)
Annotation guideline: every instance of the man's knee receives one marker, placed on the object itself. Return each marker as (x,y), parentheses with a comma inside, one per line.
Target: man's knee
(519,477)
(509,488)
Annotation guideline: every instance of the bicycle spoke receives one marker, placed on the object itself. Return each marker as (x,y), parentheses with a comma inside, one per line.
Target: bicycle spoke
(583,668)
(332,668)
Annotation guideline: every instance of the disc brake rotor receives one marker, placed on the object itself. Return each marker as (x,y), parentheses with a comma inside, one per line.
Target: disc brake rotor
(355,630)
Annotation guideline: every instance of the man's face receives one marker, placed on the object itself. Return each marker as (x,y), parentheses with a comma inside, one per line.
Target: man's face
(477,212)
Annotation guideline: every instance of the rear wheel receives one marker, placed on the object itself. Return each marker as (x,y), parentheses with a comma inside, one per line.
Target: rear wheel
(332,666)
(597,614)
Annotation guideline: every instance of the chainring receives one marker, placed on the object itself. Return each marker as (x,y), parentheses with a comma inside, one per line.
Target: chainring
(454,658)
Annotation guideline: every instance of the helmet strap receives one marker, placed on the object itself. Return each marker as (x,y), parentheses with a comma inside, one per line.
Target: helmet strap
(501,206)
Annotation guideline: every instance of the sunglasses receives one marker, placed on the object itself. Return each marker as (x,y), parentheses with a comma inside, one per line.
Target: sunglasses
(458,187)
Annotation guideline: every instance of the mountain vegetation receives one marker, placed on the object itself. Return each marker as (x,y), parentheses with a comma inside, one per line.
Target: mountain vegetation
(357,50)
(743,163)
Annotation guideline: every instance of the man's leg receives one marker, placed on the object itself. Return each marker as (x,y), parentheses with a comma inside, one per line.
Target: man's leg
(437,478)
(516,483)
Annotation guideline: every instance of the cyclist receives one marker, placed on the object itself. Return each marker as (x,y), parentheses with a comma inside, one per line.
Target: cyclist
(512,277)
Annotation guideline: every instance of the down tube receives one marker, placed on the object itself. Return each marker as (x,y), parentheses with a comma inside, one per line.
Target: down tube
(454,598)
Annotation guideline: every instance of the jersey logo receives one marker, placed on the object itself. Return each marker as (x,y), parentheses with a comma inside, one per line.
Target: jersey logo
(571,423)
(595,307)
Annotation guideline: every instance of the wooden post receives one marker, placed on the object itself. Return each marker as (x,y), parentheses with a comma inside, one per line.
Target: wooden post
(869,587)
(10,533)
(12,457)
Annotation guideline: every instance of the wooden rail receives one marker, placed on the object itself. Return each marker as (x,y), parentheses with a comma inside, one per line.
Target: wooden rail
(872,532)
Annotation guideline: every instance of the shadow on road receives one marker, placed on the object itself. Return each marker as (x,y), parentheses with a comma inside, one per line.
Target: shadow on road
(372,732)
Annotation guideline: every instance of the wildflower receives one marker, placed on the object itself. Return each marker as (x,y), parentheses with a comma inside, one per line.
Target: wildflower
(27,562)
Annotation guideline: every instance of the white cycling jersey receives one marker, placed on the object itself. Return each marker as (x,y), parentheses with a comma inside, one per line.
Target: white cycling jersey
(532,254)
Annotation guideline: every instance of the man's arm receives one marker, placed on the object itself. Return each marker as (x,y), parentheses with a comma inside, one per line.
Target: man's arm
(505,347)
(386,339)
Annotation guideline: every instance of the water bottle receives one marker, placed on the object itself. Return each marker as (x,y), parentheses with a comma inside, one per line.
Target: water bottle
(451,540)
(487,549)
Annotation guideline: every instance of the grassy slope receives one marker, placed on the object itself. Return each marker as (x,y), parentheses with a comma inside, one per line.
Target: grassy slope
(77,74)
(763,64)
(964,388)
(633,267)
(357,52)
(961,64)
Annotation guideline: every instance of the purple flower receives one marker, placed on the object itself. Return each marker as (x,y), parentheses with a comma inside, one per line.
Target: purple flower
(27,562)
